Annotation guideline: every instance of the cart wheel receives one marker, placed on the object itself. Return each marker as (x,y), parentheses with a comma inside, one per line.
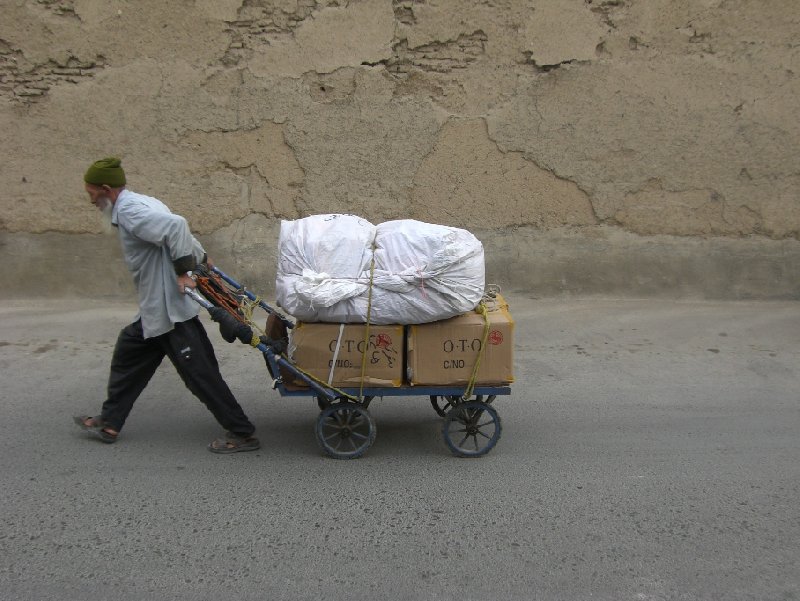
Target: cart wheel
(345,430)
(471,429)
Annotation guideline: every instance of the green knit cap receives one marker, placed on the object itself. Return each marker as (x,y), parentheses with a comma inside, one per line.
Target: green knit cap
(106,172)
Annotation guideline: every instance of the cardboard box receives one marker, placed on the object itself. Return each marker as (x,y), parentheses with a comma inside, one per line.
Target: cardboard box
(333,353)
(445,352)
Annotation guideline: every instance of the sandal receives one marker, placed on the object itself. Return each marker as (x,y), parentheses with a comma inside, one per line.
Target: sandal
(94,426)
(233,443)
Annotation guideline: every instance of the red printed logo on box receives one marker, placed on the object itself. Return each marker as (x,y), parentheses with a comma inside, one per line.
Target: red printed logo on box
(383,341)
(495,337)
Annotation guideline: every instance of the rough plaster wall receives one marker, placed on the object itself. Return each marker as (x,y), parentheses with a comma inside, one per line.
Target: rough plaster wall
(505,189)
(544,125)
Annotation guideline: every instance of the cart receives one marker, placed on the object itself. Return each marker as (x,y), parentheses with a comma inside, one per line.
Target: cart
(344,428)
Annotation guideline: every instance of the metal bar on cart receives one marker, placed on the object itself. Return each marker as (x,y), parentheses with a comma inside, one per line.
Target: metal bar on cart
(275,362)
(408,391)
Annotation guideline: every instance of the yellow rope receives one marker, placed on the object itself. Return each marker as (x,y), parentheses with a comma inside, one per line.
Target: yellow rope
(326,385)
(480,309)
(246,307)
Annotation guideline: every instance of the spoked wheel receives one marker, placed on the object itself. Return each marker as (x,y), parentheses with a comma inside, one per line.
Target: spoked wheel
(471,429)
(345,430)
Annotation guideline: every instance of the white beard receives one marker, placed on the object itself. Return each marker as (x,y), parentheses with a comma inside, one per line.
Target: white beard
(105,221)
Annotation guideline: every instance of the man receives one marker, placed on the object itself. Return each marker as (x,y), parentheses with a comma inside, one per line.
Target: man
(160,253)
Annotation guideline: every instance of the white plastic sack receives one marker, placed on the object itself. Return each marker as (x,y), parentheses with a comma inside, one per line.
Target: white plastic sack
(320,261)
(422,272)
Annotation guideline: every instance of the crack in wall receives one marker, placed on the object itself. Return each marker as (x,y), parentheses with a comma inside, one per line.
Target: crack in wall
(528,60)
(255,165)
(604,8)
(404,11)
(25,82)
(430,71)
(62,8)
(252,179)
(466,167)
(435,57)
(655,209)
(527,157)
(258,21)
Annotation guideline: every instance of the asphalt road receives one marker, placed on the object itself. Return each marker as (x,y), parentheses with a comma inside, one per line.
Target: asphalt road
(650,451)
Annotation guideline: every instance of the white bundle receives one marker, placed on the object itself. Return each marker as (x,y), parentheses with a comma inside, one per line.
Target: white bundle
(420,272)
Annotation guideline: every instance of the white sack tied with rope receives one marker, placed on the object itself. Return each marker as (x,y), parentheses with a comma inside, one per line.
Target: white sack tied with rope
(420,272)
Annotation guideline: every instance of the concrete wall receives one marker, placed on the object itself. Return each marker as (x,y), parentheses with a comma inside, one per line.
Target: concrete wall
(614,147)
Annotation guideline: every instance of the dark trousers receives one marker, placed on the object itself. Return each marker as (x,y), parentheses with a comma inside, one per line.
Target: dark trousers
(135,361)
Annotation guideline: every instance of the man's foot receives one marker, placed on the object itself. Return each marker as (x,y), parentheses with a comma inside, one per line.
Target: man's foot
(94,426)
(232,443)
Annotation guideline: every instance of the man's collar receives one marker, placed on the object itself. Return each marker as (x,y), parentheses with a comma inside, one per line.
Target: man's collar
(115,208)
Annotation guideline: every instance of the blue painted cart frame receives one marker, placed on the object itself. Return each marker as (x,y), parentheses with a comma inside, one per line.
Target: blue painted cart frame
(345,429)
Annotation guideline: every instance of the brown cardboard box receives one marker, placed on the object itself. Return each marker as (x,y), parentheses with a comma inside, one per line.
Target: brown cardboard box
(313,347)
(445,352)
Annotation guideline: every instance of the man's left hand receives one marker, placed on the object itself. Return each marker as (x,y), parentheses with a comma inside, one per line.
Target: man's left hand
(229,327)
(186,280)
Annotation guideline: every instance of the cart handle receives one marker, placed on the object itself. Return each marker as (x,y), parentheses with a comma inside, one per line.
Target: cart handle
(251,296)
(268,353)
(197,297)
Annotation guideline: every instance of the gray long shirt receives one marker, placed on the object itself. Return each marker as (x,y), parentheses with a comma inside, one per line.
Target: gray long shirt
(152,238)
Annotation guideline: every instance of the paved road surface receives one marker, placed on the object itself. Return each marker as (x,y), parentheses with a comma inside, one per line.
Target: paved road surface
(650,451)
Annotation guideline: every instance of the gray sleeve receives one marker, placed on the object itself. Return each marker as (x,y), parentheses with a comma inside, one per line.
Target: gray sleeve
(164,229)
